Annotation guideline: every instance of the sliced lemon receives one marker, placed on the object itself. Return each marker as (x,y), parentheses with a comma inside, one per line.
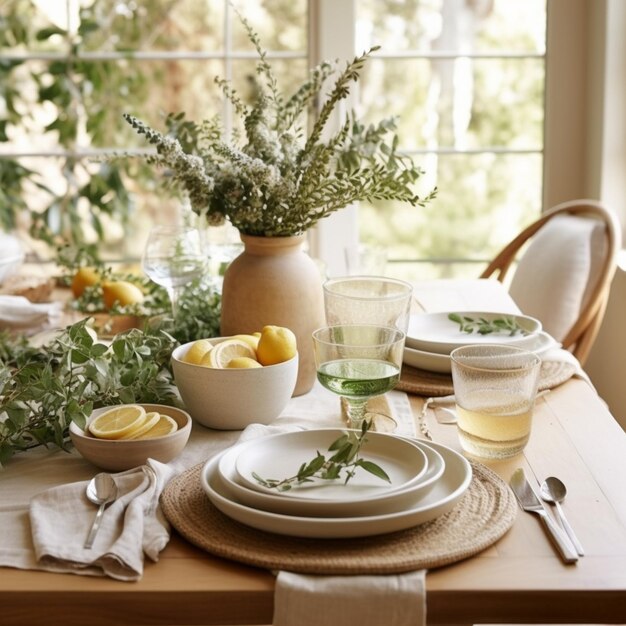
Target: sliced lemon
(228,350)
(251,340)
(243,362)
(150,420)
(121,421)
(197,350)
(164,426)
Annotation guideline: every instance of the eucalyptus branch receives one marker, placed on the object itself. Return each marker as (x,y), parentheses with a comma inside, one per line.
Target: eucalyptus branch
(304,96)
(346,448)
(340,91)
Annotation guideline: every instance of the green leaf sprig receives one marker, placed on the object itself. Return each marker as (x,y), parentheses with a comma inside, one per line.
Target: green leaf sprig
(277,178)
(484,326)
(345,459)
(42,390)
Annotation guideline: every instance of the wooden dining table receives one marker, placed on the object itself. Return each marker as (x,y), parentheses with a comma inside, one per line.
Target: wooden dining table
(519,579)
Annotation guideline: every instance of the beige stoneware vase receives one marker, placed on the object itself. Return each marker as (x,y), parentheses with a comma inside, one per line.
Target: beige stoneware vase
(273,281)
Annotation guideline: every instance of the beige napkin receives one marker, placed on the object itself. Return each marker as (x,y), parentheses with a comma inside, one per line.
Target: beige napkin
(560,355)
(392,600)
(19,312)
(131,526)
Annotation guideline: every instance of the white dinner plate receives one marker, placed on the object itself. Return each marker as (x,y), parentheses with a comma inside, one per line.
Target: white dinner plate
(280,456)
(446,493)
(435,332)
(381,503)
(441,363)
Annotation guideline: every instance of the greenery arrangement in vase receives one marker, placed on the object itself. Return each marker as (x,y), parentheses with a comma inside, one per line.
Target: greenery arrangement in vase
(274,180)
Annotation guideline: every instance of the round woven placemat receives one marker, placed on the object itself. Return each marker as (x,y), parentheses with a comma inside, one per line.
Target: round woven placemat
(484,514)
(423,383)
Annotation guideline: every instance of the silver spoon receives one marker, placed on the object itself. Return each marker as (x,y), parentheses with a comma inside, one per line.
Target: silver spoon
(553,490)
(101,490)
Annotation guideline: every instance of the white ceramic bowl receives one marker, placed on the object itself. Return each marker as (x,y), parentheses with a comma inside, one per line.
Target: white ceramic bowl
(231,399)
(118,455)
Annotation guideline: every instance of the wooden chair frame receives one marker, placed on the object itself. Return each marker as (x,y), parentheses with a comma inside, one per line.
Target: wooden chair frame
(580,337)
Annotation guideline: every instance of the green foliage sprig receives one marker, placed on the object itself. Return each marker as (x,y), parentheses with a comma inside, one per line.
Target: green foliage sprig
(199,305)
(43,390)
(346,448)
(486,327)
(271,182)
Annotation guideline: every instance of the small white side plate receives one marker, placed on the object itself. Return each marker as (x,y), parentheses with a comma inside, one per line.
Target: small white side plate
(280,456)
(440,363)
(435,332)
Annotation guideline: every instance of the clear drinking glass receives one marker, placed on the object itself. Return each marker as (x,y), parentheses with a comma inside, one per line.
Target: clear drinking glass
(368,300)
(173,257)
(495,389)
(358,362)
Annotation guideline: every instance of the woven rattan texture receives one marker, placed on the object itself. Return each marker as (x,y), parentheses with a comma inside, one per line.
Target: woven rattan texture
(431,384)
(485,513)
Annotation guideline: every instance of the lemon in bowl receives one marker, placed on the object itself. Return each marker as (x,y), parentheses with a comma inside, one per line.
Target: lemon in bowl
(122,437)
(229,388)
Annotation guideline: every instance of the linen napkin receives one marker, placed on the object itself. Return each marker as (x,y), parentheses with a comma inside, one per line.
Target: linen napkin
(560,355)
(392,600)
(131,526)
(306,600)
(19,312)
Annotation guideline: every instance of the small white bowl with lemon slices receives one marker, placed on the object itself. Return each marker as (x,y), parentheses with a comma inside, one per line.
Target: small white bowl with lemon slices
(118,438)
(231,398)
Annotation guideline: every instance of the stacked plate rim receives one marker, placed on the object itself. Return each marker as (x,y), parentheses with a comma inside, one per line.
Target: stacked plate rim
(446,477)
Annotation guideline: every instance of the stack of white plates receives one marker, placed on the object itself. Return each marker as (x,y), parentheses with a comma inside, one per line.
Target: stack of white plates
(432,337)
(427,480)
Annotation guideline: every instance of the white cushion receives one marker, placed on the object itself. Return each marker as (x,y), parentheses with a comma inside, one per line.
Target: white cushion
(558,271)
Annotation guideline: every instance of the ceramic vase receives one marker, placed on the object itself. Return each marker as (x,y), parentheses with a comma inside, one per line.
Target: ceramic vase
(274,282)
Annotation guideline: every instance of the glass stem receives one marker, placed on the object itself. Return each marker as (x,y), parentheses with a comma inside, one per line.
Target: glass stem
(173,294)
(355,409)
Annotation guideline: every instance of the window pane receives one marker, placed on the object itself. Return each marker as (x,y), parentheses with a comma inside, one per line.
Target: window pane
(481,26)
(464,104)
(27,26)
(159,88)
(483,201)
(467,82)
(110,25)
(280,24)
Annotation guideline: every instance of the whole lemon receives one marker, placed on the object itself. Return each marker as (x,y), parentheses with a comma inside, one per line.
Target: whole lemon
(85,277)
(197,351)
(121,292)
(276,345)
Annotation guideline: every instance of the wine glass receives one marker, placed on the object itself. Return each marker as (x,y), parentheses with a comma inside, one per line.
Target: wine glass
(173,257)
(357,362)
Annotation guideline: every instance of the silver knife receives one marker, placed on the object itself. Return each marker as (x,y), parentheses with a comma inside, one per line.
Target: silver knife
(530,502)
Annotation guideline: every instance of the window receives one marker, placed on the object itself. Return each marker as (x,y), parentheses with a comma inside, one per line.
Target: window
(70,69)
(465,77)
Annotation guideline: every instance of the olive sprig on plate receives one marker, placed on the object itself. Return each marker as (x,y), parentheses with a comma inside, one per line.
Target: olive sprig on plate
(345,459)
(483,326)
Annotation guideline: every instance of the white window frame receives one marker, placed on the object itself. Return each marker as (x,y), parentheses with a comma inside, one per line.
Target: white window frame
(584,148)
(585,128)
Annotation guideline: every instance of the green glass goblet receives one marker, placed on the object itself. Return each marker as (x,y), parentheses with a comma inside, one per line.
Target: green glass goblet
(358,362)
